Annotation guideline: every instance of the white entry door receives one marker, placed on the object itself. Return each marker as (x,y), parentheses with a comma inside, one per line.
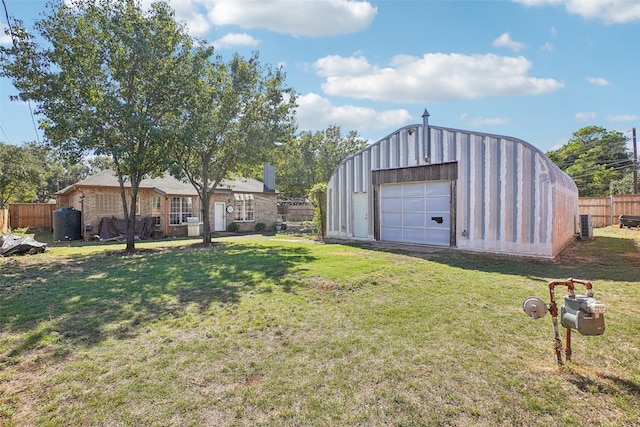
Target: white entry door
(360,215)
(416,212)
(219,217)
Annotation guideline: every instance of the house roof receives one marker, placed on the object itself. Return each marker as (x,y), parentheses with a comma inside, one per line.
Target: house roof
(166,184)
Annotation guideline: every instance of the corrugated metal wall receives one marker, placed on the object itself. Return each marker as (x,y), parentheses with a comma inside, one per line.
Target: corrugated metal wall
(510,198)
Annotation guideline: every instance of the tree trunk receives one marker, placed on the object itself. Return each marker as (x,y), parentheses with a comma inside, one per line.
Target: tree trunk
(131,229)
(129,208)
(206,225)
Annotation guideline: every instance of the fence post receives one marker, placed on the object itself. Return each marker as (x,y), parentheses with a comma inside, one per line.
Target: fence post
(611,210)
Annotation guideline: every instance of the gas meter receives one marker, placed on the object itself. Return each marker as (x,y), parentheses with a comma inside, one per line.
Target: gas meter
(583,313)
(580,312)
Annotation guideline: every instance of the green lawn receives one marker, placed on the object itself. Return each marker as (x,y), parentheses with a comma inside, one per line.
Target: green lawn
(269,331)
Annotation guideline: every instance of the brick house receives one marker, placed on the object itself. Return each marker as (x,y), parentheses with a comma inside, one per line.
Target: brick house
(170,202)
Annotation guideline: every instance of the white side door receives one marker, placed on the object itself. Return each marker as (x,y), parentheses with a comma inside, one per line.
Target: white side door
(360,215)
(219,217)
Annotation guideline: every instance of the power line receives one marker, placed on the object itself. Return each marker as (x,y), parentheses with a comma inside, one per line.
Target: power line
(5,134)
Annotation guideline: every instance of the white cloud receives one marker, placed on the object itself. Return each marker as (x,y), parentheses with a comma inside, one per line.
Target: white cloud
(432,78)
(609,11)
(333,65)
(235,39)
(623,118)
(484,121)
(312,18)
(548,47)
(316,112)
(585,117)
(505,41)
(598,81)
(5,39)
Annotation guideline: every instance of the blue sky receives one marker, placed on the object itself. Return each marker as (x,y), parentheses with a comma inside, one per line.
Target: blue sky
(533,69)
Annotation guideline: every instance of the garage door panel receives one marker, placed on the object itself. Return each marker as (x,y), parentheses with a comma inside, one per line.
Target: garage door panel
(392,220)
(413,220)
(413,235)
(438,237)
(391,190)
(392,205)
(439,220)
(393,234)
(437,188)
(413,205)
(413,190)
(438,204)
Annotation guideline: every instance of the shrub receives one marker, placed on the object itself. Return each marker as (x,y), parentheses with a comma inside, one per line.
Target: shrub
(318,196)
(234,227)
(261,226)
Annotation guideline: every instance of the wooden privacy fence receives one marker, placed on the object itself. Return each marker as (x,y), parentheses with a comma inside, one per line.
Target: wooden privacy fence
(606,211)
(34,215)
(296,213)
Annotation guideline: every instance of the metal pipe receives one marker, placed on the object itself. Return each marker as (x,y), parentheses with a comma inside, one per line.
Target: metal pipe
(553,309)
(426,136)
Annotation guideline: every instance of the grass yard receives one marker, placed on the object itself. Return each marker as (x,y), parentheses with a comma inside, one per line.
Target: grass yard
(269,331)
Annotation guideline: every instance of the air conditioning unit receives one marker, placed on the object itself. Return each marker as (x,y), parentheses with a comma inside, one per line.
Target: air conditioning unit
(586,227)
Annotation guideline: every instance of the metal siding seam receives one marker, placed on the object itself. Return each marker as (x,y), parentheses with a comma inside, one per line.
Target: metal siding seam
(532,198)
(537,194)
(436,142)
(519,188)
(488,199)
(467,187)
(480,188)
(503,190)
(472,190)
(349,195)
(416,146)
(500,190)
(343,201)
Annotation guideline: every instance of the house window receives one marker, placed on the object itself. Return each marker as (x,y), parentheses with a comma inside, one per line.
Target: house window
(181,208)
(108,203)
(156,212)
(244,207)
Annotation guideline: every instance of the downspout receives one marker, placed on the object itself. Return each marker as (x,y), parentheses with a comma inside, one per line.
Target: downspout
(426,136)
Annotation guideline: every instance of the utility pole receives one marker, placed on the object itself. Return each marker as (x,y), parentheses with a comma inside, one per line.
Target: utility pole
(635,163)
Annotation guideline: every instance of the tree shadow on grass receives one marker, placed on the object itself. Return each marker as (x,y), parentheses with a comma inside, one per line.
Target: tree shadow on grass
(605,384)
(85,300)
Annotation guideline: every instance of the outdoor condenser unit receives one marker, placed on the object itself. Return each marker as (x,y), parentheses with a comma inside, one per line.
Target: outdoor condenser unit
(586,227)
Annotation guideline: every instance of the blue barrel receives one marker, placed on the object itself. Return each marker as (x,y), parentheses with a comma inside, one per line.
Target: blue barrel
(66,224)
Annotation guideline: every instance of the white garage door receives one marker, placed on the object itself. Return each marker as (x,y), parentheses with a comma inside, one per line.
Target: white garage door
(416,212)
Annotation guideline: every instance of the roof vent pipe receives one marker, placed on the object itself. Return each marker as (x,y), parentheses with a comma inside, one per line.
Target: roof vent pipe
(426,136)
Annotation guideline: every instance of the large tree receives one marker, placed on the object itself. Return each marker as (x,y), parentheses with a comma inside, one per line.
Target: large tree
(595,158)
(110,80)
(311,158)
(236,112)
(19,175)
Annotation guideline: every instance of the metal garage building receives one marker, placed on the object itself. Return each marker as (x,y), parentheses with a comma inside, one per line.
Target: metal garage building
(455,188)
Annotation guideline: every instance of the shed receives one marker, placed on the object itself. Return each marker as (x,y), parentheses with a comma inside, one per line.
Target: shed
(455,188)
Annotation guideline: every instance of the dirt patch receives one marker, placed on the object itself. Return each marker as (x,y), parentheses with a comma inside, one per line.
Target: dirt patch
(591,252)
